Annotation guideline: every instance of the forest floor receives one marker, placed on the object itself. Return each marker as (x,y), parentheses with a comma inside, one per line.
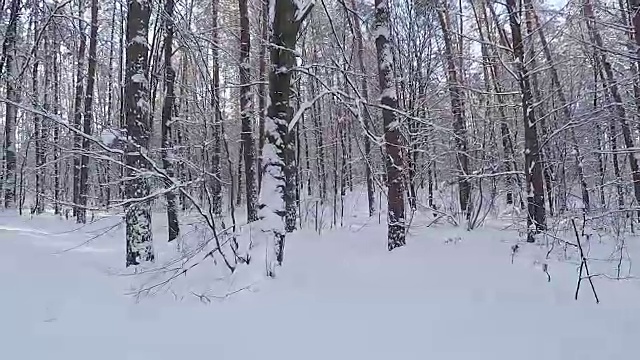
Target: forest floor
(448,294)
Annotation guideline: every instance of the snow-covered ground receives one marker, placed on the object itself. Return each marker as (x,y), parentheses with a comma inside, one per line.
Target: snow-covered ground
(448,294)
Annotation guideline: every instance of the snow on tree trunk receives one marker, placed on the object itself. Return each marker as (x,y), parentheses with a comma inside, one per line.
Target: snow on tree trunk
(389,100)
(285,17)
(137,213)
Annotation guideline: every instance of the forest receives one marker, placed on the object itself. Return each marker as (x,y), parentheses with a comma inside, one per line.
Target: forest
(315,179)
(275,114)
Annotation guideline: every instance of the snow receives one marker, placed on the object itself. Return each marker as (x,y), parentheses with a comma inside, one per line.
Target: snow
(448,294)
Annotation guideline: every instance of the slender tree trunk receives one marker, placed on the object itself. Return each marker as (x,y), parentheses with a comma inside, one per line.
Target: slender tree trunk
(319,134)
(56,126)
(137,213)
(262,74)
(392,137)
(11,111)
(167,110)
(77,111)
(457,107)
(364,114)
(38,207)
(88,115)
(539,110)
(216,168)
(533,168)
(246,111)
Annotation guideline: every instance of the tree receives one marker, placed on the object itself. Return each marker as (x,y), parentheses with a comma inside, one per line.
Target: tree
(139,237)
(248,144)
(457,108)
(288,15)
(365,113)
(77,109)
(392,137)
(88,114)
(167,111)
(533,167)
(9,54)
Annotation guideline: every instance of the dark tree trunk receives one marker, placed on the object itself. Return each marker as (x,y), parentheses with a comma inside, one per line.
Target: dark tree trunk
(246,111)
(56,126)
(275,189)
(392,137)
(38,207)
(457,107)
(77,112)
(216,168)
(262,96)
(533,167)
(137,212)
(9,53)
(167,112)
(88,114)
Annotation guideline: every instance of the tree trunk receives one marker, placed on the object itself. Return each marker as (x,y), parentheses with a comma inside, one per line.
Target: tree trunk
(77,111)
(533,168)
(246,111)
(88,115)
(392,137)
(216,168)
(38,207)
(11,111)
(167,120)
(56,126)
(286,20)
(262,71)
(137,212)
(364,113)
(457,107)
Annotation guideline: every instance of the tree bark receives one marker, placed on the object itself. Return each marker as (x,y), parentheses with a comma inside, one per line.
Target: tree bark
(364,113)
(167,111)
(533,168)
(77,111)
(137,213)
(287,17)
(392,137)
(11,111)
(216,167)
(246,111)
(457,107)
(88,114)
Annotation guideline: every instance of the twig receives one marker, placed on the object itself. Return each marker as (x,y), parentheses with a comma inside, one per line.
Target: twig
(583,265)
